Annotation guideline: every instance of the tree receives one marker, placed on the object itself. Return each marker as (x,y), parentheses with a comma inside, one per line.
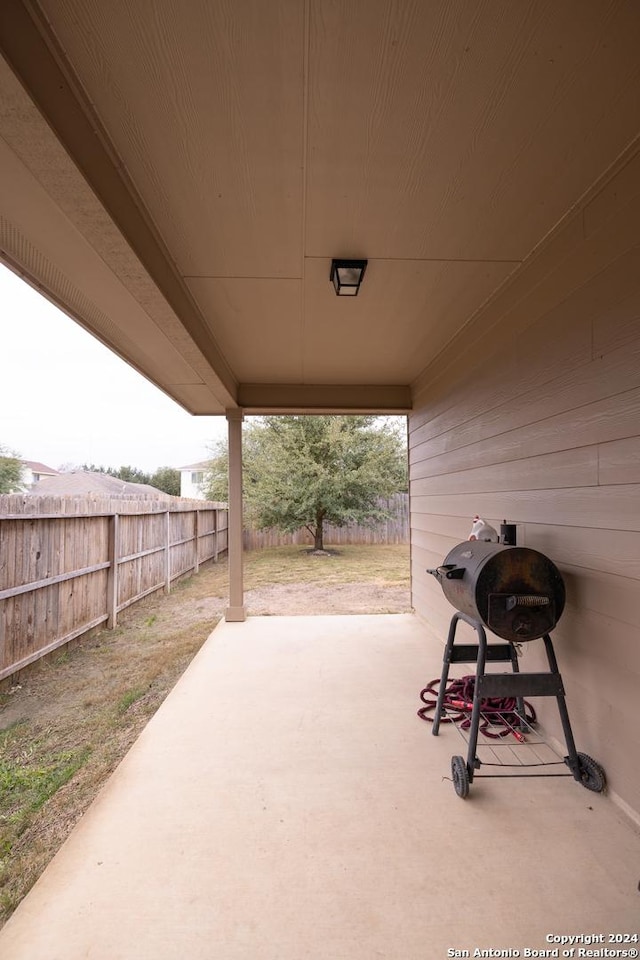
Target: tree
(126,474)
(129,474)
(166,479)
(304,471)
(10,471)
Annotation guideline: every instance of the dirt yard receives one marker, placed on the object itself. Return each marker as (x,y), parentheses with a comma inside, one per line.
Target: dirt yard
(66,722)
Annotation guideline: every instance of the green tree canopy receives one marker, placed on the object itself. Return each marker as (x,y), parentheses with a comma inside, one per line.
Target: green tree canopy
(303,471)
(126,474)
(10,471)
(166,479)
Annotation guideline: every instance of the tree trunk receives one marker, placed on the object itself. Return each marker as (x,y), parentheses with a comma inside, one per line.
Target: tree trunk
(319,533)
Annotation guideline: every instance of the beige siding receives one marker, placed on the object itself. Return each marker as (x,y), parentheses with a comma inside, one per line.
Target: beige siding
(534,416)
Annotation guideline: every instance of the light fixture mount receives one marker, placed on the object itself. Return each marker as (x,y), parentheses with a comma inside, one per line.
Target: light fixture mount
(346,276)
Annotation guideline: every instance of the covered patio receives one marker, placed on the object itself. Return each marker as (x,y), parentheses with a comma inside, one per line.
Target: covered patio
(287,803)
(180,179)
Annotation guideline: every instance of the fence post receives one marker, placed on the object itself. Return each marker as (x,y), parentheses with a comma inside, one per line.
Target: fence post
(112,576)
(167,553)
(196,526)
(216,527)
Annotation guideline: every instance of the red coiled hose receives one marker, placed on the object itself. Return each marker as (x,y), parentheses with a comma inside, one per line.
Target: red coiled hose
(498,713)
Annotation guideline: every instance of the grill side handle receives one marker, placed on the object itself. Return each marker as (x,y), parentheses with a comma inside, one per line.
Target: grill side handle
(448,571)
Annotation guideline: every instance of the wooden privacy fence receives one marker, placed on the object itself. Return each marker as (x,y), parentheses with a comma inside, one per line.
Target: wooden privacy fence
(393,530)
(69,564)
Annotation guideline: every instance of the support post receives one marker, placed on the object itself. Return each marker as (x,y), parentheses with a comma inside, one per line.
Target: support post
(112,576)
(196,537)
(235,610)
(167,554)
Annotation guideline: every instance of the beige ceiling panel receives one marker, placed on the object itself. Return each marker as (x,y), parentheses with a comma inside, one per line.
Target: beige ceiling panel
(442,140)
(197,399)
(404,314)
(38,240)
(204,104)
(257,324)
(455,130)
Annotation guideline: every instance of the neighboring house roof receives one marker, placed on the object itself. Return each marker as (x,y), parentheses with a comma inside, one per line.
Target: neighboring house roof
(203,465)
(83,482)
(40,468)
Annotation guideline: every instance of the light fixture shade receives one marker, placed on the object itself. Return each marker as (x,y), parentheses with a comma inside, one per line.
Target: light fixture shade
(346,276)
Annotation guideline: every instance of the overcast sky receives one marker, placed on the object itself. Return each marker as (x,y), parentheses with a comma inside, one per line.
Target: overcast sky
(66,399)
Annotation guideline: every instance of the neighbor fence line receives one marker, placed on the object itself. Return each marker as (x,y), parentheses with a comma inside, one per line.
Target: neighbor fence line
(69,564)
(395,529)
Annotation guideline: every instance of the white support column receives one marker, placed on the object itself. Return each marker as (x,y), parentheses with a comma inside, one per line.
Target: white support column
(235,610)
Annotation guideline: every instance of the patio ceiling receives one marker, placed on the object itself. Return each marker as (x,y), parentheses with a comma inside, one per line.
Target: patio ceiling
(178,176)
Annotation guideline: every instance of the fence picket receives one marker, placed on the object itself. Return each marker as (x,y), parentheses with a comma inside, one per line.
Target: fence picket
(68,564)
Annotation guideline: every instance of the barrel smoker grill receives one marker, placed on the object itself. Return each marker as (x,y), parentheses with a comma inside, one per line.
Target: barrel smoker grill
(518,594)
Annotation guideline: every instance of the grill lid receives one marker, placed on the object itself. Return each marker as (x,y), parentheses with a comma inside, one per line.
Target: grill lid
(516,592)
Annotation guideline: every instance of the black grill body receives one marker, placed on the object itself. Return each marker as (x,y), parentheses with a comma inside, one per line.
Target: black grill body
(516,592)
(519,595)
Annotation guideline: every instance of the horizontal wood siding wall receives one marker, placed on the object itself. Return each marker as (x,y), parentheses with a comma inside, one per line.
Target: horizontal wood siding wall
(70,564)
(534,416)
(393,530)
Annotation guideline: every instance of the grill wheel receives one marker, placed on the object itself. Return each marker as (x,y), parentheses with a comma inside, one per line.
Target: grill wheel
(460,776)
(591,774)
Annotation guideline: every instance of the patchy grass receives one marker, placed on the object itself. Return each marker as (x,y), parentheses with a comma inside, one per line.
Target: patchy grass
(33,769)
(344,564)
(66,723)
(28,777)
(129,698)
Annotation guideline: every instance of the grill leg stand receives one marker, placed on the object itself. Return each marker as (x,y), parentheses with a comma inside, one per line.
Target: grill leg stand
(583,768)
(468,653)
(472,761)
(444,679)
(465,653)
(520,711)
(571,759)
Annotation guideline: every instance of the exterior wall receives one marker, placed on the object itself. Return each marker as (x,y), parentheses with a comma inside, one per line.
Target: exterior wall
(27,476)
(190,488)
(33,472)
(534,416)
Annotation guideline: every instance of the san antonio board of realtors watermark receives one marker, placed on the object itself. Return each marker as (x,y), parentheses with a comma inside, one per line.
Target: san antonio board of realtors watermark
(580,945)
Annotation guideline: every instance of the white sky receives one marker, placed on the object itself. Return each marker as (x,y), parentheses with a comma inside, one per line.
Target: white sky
(66,399)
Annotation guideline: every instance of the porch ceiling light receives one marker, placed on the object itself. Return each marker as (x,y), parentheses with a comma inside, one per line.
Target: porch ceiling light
(346,276)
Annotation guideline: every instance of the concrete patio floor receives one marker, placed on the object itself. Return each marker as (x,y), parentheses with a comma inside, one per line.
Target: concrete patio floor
(286,803)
